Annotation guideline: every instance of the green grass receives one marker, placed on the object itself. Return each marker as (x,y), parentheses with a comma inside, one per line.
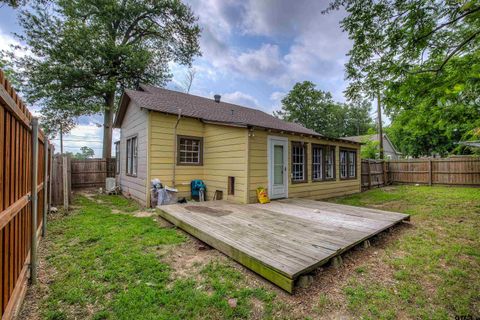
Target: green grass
(435,263)
(112,265)
(107,266)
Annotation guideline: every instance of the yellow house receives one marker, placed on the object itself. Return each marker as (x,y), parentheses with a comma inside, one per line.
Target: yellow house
(178,137)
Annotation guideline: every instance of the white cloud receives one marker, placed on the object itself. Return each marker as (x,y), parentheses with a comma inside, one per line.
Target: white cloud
(317,46)
(240,98)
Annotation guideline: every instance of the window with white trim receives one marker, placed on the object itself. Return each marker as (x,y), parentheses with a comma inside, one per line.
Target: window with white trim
(329,162)
(348,163)
(190,150)
(317,162)
(131,163)
(299,162)
(352,164)
(343,164)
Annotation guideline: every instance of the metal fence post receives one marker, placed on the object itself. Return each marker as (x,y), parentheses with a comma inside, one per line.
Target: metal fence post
(65,182)
(34,196)
(46,179)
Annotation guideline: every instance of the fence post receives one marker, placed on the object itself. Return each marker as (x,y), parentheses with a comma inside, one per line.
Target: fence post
(429,172)
(369,175)
(34,196)
(45,185)
(65,181)
(384,169)
(50,180)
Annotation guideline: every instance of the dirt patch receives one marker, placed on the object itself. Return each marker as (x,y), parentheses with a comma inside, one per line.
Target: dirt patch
(144,214)
(186,260)
(31,308)
(208,211)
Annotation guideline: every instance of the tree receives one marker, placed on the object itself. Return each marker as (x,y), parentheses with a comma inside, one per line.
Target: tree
(431,114)
(86,153)
(395,39)
(316,110)
(186,83)
(85,52)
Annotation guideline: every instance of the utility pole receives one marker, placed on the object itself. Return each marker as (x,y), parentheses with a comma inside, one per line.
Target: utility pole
(380,129)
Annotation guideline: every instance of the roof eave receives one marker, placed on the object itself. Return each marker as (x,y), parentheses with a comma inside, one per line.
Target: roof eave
(122,109)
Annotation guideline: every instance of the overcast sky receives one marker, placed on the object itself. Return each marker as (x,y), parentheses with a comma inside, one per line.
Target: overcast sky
(253,52)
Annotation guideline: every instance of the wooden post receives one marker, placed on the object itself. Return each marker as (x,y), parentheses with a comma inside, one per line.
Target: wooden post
(429,172)
(65,181)
(384,168)
(50,180)
(46,179)
(369,175)
(34,196)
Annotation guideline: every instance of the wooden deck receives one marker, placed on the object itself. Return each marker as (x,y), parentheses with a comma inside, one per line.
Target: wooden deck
(283,239)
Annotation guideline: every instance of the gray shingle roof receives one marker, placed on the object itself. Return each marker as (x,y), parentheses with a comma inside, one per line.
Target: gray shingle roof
(189,105)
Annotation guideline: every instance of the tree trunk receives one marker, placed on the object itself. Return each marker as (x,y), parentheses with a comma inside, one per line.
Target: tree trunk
(107,125)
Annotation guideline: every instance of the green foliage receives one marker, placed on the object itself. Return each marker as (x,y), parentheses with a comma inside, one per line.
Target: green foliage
(393,39)
(316,110)
(422,57)
(432,112)
(85,153)
(85,52)
(371,149)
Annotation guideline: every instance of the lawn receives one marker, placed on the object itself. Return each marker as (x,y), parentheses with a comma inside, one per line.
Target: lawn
(101,261)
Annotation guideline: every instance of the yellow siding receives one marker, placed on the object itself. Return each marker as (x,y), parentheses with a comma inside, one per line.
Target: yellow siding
(162,151)
(231,151)
(224,155)
(313,190)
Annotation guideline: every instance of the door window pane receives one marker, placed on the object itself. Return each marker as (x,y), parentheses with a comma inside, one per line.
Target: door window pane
(278,164)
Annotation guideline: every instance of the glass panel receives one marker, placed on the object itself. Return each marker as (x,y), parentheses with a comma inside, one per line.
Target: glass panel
(278,164)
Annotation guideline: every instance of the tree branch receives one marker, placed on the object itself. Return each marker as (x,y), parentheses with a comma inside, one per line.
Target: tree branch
(447,23)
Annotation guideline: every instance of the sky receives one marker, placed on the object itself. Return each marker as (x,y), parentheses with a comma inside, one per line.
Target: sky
(253,52)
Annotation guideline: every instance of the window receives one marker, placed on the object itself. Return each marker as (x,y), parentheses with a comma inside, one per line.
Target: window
(299,162)
(329,163)
(189,150)
(317,162)
(348,162)
(117,157)
(352,164)
(131,163)
(323,162)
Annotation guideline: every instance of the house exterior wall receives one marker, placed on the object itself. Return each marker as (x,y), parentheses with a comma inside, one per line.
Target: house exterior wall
(224,155)
(134,123)
(388,150)
(258,164)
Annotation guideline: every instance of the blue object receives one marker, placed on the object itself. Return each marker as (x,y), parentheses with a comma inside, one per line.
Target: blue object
(196,186)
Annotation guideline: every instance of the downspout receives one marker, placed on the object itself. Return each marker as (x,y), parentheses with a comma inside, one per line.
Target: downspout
(175,146)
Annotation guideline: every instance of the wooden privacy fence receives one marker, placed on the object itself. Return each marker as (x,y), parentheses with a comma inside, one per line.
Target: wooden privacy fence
(25,158)
(91,172)
(445,171)
(58,183)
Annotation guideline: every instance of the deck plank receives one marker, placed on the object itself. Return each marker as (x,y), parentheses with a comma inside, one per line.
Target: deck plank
(282,239)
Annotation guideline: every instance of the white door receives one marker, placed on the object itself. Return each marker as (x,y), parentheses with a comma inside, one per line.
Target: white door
(277,167)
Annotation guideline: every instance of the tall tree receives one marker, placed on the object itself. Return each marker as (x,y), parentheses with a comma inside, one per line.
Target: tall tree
(316,110)
(394,39)
(423,56)
(84,52)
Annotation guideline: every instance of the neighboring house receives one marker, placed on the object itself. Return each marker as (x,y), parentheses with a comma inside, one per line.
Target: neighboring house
(389,150)
(178,137)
